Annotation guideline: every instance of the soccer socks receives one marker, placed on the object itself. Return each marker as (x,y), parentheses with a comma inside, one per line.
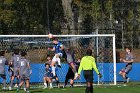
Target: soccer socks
(51,85)
(58,60)
(45,84)
(53,70)
(66,80)
(71,85)
(17,81)
(11,83)
(4,83)
(126,77)
(87,90)
(57,82)
(91,88)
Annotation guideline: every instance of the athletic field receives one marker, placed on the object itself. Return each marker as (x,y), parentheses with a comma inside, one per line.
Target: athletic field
(122,88)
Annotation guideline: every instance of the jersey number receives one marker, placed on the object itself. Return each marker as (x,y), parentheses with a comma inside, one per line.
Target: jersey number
(0,61)
(22,63)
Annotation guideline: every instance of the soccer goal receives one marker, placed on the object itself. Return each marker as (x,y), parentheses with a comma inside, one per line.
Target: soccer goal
(103,46)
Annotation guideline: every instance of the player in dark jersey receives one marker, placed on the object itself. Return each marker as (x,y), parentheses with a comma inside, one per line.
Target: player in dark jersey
(24,71)
(3,62)
(58,49)
(48,76)
(129,59)
(14,65)
(70,74)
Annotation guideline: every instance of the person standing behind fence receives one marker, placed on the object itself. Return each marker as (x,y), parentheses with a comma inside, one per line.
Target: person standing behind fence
(88,64)
(3,62)
(129,59)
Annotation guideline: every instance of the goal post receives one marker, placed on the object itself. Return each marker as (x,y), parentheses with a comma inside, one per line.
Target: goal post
(103,46)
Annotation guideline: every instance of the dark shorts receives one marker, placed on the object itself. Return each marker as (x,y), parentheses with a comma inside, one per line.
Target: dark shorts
(70,74)
(127,69)
(24,77)
(16,72)
(3,76)
(48,75)
(54,77)
(88,75)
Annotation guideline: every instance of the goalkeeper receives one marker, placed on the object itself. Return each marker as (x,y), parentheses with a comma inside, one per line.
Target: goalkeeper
(70,60)
(88,64)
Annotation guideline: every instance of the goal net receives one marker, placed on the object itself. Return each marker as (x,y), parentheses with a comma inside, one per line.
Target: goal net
(103,46)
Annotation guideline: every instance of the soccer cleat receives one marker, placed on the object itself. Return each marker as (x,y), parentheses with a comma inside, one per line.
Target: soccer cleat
(128,79)
(45,87)
(58,86)
(71,86)
(10,88)
(16,86)
(59,66)
(64,86)
(27,92)
(24,89)
(51,87)
(4,88)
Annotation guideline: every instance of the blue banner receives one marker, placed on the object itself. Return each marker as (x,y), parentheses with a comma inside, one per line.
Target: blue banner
(38,71)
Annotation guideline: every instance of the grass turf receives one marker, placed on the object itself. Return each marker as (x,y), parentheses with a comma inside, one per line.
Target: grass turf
(130,88)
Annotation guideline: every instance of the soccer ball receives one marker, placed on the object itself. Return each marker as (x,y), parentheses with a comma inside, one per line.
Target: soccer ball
(50,35)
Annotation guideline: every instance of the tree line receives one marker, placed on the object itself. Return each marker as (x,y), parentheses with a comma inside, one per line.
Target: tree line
(121,17)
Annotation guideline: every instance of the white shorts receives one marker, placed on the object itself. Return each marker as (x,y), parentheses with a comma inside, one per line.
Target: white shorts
(55,58)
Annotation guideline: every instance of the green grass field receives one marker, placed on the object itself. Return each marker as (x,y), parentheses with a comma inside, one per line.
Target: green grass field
(129,88)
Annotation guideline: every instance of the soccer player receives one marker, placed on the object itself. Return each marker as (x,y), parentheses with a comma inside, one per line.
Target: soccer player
(70,60)
(88,64)
(3,62)
(48,76)
(14,63)
(24,71)
(69,75)
(129,59)
(58,48)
